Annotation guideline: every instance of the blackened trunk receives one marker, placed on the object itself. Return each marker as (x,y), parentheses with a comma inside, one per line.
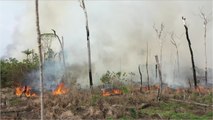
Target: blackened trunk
(139,69)
(192,57)
(160,76)
(88,43)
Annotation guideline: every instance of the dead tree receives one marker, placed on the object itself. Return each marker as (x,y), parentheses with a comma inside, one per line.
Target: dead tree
(159,35)
(40,58)
(82,5)
(147,62)
(177,52)
(191,52)
(61,41)
(139,69)
(160,75)
(205,22)
(156,71)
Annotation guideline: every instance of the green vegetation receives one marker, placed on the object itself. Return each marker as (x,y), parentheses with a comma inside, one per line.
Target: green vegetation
(13,71)
(110,77)
(174,110)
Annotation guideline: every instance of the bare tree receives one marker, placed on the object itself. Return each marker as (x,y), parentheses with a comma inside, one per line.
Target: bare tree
(61,41)
(159,35)
(172,40)
(82,5)
(40,58)
(147,63)
(191,52)
(205,22)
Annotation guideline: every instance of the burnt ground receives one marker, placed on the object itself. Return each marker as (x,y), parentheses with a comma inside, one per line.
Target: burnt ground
(132,104)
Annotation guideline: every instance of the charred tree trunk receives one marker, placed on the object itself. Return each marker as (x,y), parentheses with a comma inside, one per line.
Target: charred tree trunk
(147,68)
(191,52)
(156,71)
(139,69)
(40,59)
(206,73)
(88,42)
(160,76)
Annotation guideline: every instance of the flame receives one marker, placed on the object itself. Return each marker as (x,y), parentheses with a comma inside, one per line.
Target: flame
(24,90)
(60,89)
(111,92)
(106,93)
(19,91)
(116,91)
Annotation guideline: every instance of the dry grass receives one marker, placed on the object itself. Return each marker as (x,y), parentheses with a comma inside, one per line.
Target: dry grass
(82,104)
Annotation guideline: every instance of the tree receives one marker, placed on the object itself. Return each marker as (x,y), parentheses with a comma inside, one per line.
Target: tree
(141,78)
(27,52)
(82,5)
(160,75)
(40,58)
(61,41)
(147,63)
(191,52)
(205,22)
(159,35)
(172,40)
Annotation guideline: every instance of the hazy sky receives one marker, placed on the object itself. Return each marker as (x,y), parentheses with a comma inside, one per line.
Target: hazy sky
(119,30)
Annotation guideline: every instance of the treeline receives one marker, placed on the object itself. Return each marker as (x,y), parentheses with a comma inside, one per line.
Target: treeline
(13,71)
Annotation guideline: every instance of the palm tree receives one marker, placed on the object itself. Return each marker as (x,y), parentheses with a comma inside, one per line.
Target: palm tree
(27,52)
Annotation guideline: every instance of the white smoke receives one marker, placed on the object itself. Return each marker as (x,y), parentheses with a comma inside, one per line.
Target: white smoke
(119,31)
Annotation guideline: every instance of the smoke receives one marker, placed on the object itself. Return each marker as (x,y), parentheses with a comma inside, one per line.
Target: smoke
(119,31)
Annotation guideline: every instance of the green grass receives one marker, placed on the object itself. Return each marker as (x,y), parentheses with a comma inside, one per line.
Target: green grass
(174,110)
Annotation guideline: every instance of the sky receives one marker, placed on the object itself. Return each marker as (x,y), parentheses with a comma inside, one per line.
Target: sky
(119,30)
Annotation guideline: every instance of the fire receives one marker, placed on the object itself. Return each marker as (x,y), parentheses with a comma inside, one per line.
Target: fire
(116,91)
(106,93)
(60,89)
(111,92)
(24,90)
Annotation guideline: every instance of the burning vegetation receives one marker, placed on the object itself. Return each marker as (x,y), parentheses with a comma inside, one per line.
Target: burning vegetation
(122,96)
(26,90)
(60,89)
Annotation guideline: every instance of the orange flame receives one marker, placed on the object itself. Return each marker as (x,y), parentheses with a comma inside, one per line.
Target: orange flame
(106,93)
(24,90)
(116,91)
(60,89)
(113,92)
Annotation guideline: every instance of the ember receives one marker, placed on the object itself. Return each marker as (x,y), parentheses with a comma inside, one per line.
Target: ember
(60,89)
(24,90)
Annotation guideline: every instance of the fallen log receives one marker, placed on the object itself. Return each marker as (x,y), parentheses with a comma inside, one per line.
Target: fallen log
(192,102)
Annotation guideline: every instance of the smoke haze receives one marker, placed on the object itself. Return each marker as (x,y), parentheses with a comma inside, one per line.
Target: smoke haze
(119,31)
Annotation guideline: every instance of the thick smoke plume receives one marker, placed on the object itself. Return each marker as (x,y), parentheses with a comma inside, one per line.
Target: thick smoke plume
(119,31)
